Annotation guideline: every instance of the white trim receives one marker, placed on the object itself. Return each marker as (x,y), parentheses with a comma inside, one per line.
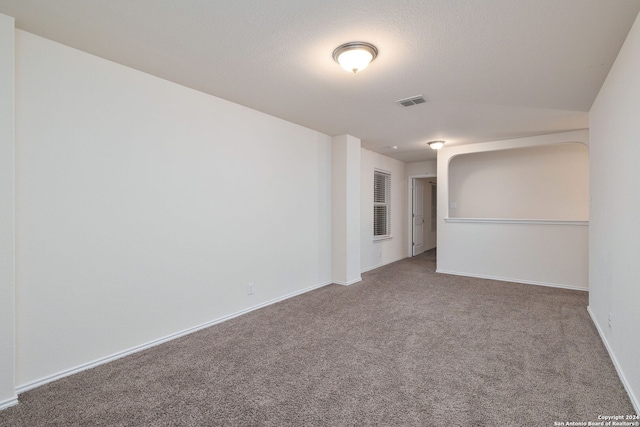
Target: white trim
(382,170)
(7,403)
(410,180)
(351,282)
(45,380)
(634,400)
(385,237)
(506,279)
(386,204)
(383,264)
(517,221)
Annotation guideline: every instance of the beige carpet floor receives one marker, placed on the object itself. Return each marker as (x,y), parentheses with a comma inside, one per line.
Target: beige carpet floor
(404,347)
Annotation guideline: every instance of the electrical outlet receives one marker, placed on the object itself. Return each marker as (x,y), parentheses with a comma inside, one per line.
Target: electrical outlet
(250,289)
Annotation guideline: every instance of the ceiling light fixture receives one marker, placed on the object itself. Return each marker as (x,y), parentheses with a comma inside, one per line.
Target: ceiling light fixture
(355,56)
(436,145)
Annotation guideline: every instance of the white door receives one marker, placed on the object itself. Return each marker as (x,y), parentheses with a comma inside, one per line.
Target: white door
(418,217)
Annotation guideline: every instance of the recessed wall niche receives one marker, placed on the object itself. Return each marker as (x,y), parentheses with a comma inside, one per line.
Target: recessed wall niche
(549,182)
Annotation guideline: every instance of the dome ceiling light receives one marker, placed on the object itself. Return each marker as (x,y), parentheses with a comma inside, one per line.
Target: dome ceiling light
(355,56)
(436,145)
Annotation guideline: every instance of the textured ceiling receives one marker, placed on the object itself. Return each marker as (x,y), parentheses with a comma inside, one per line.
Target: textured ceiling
(491,69)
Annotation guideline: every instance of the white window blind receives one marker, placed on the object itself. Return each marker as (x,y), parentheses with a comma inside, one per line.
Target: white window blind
(381,204)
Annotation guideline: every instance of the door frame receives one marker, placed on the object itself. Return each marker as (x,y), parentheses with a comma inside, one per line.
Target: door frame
(410,180)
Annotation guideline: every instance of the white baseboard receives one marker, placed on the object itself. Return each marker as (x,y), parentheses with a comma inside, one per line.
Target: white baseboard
(382,265)
(634,400)
(506,279)
(45,380)
(351,282)
(8,403)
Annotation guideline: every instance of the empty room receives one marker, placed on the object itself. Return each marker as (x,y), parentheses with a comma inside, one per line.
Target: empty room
(299,213)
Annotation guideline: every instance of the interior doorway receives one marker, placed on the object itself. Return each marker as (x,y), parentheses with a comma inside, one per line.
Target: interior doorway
(423,200)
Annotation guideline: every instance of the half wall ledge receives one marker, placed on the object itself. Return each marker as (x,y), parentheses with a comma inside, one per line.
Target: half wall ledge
(517,221)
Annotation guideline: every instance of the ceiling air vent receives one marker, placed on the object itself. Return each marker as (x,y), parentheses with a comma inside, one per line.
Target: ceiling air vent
(414,100)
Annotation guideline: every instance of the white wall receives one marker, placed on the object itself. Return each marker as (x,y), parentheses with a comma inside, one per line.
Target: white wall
(380,252)
(145,208)
(548,252)
(614,271)
(540,182)
(345,211)
(7,212)
(428,167)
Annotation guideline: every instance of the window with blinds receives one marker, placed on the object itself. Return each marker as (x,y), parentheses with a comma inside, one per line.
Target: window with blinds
(381,204)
